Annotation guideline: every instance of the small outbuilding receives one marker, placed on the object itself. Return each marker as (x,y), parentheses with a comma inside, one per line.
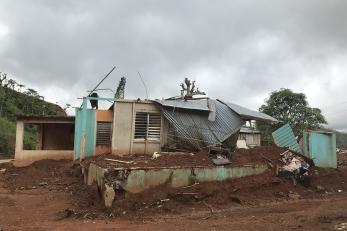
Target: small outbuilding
(55,138)
(251,136)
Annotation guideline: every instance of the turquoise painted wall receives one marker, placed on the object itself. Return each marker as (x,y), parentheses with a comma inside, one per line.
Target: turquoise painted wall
(90,133)
(84,124)
(78,133)
(321,148)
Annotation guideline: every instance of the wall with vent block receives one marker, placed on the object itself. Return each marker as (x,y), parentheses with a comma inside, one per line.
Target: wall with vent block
(137,128)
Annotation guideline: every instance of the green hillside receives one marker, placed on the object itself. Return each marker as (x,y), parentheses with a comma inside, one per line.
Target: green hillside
(14,103)
(341,140)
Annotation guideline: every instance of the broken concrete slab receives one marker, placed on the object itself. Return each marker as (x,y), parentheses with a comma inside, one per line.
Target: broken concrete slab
(138,180)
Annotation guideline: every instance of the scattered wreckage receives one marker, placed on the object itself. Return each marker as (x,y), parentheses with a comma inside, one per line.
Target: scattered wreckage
(295,168)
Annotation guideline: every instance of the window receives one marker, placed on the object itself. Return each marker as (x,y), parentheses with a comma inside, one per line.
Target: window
(147,126)
(103,133)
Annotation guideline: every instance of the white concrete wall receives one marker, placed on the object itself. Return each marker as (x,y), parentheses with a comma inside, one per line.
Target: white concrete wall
(26,157)
(123,142)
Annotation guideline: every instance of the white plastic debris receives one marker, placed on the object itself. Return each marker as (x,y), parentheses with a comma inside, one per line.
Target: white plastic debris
(156,155)
(293,165)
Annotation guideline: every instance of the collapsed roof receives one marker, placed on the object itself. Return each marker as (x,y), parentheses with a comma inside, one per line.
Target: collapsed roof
(203,122)
(247,114)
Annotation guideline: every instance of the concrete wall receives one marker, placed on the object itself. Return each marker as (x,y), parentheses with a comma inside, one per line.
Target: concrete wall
(26,157)
(58,136)
(123,142)
(104,115)
(139,180)
(84,133)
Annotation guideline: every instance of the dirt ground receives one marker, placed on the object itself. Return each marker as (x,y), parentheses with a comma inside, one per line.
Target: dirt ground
(239,157)
(50,195)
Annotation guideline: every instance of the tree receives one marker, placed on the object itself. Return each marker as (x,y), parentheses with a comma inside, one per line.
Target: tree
(11,83)
(31,92)
(20,87)
(293,108)
(3,77)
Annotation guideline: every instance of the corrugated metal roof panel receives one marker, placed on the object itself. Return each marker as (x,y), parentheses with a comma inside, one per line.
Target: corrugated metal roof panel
(196,104)
(195,128)
(249,114)
(284,137)
(248,130)
(205,105)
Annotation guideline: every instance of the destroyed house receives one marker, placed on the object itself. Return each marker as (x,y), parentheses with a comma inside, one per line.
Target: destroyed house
(148,126)
(136,127)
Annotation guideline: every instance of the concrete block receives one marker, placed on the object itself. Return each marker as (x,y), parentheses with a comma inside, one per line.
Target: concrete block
(109,195)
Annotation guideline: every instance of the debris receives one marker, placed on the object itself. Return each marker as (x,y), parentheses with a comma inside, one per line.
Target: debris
(68,213)
(266,158)
(3,170)
(43,184)
(187,193)
(320,188)
(235,199)
(120,161)
(189,186)
(109,195)
(342,226)
(219,155)
(211,210)
(88,216)
(284,137)
(293,165)
(223,161)
(270,163)
(297,168)
(293,195)
(280,194)
(284,152)
(241,144)
(156,155)
(340,191)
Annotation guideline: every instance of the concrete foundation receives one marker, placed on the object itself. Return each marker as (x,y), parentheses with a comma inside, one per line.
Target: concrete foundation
(136,180)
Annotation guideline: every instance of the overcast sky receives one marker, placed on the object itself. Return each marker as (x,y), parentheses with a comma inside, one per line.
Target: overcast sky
(238,51)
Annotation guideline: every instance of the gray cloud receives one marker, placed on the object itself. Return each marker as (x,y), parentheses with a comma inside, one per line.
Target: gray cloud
(239,51)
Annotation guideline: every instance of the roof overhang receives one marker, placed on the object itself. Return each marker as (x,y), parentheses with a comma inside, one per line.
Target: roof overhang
(46,119)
